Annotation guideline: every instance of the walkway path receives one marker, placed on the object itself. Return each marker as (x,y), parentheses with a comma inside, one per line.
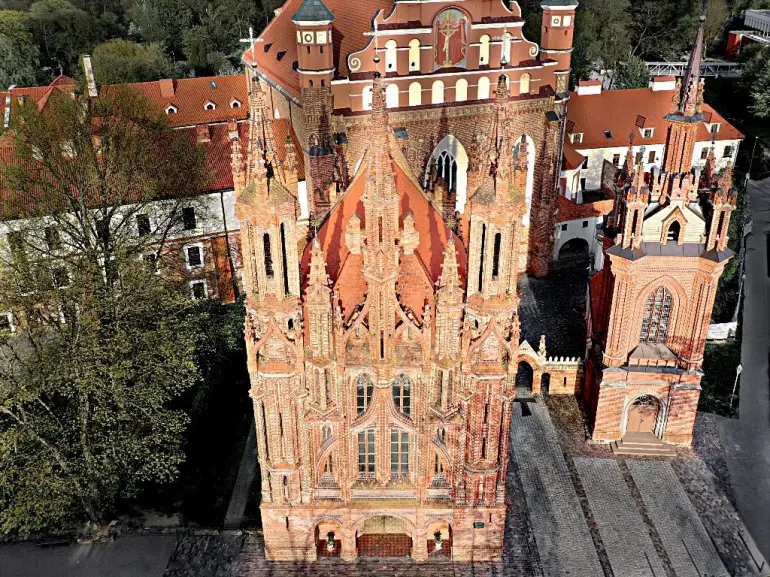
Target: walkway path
(561,533)
(747,440)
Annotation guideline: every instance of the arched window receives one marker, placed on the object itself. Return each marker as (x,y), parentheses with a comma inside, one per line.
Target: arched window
(402,394)
(483,88)
(461,90)
(437,93)
(326,432)
(364,390)
(367,98)
(399,453)
(284,260)
(446,167)
(673,232)
(484,50)
(496,255)
(505,53)
(391,56)
(524,83)
(657,314)
(414,54)
(415,94)
(391,96)
(268,255)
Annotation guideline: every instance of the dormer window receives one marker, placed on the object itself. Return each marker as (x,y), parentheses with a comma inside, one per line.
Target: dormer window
(608,134)
(576,138)
(235,103)
(714,127)
(171,109)
(648,132)
(209,106)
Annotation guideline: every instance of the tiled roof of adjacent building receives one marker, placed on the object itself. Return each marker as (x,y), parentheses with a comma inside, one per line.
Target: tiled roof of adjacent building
(276,51)
(569,210)
(623,111)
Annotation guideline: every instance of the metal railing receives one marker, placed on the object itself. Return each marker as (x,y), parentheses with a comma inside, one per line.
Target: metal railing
(713,68)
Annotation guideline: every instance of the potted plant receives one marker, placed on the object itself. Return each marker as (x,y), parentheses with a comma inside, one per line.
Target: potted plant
(437,541)
(330,541)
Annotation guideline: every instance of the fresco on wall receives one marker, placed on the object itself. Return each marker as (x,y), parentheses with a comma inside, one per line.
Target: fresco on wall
(450,38)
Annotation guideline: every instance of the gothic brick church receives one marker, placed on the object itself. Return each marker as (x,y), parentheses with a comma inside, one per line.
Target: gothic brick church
(383,334)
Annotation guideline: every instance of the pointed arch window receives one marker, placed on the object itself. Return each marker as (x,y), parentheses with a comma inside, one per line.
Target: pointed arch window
(364,390)
(674,229)
(496,255)
(446,167)
(483,88)
(402,394)
(657,315)
(284,259)
(268,255)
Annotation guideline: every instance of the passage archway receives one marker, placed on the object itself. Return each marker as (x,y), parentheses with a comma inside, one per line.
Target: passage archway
(328,538)
(440,538)
(574,253)
(524,377)
(643,415)
(384,536)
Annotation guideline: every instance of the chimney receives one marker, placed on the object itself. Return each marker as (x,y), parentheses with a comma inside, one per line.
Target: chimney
(166,87)
(203,133)
(588,87)
(659,83)
(90,80)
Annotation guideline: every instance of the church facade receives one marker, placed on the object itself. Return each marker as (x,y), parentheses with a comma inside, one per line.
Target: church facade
(382,327)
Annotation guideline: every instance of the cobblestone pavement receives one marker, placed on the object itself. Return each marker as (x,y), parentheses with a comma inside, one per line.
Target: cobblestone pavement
(624,534)
(681,531)
(563,540)
(204,556)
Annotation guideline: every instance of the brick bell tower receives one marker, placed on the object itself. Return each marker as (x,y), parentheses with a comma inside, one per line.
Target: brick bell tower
(662,273)
(315,57)
(556,35)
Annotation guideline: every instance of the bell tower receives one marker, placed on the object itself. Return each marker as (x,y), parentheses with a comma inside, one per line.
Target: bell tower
(556,36)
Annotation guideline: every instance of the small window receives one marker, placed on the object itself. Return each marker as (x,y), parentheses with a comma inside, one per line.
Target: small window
(399,454)
(171,109)
(366,454)
(235,104)
(142,224)
(194,257)
(648,132)
(563,227)
(188,218)
(616,159)
(704,153)
(198,289)
(210,106)
(651,157)
(585,224)
(414,55)
(608,134)
(673,232)
(585,163)
(728,153)
(326,432)
(402,394)
(52,239)
(484,49)
(576,138)
(364,390)
(638,158)
(714,128)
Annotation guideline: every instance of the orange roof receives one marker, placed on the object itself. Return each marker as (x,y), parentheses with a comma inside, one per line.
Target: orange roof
(619,111)
(572,158)
(190,96)
(276,51)
(569,210)
(420,271)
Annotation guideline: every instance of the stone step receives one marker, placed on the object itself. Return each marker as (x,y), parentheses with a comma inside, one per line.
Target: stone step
(652,450)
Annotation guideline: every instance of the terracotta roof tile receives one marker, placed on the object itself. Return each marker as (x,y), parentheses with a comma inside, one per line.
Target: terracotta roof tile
(569,210)
(617,111)
(348,29)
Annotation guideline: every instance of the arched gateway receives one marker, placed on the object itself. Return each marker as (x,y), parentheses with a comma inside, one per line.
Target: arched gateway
(384,536)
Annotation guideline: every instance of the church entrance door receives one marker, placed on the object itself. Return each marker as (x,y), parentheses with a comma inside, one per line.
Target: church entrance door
(384,536)
(642,415)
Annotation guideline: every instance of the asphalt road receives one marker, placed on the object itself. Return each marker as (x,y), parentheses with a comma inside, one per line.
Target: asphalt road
(747,439)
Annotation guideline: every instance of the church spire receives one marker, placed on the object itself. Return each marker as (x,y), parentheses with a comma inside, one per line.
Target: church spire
(317,276)
(691,90)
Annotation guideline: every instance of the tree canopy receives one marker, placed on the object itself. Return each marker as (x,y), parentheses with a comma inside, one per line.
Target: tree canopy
(96,346)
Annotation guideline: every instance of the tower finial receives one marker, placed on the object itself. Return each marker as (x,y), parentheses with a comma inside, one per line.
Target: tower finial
(689,99)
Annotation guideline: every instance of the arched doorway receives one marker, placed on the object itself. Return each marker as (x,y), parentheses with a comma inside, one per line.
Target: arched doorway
(643,415)
(440,539)
(328,538)
(545,383)
(451,162)
(574,253)
(383,536)
(524,378)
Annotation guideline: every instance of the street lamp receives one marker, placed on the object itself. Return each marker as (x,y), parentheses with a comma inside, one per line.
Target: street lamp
(738,371)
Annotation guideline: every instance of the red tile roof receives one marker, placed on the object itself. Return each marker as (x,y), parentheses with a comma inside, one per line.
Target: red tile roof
(617,111)
(350,23)
(190,95)
(572,158)
(569,210)
(423,269)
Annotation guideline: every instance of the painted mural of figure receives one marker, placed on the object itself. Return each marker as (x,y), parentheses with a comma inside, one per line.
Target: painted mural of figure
(450,34)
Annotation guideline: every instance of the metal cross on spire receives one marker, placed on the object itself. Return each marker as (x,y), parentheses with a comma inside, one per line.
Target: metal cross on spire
(250,41)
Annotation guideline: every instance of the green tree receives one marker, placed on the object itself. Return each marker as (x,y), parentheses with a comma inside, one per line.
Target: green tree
(602,40)
(760,93)
(121,61)
(633,74)
(19,56)
(102,344)
(63,32)
(163,21)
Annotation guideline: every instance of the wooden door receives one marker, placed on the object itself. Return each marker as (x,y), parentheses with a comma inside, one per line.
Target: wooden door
(641,418)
